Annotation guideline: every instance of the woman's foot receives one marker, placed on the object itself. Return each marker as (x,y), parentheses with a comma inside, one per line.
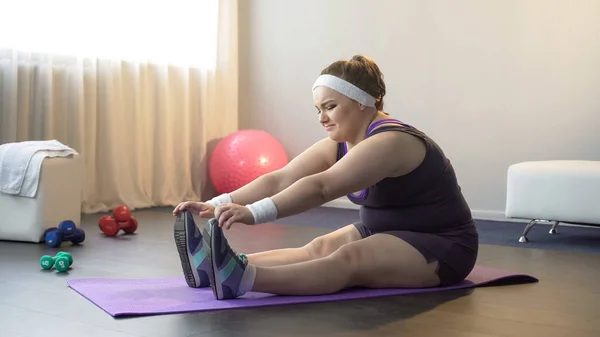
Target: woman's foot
(228,265)
(194,251)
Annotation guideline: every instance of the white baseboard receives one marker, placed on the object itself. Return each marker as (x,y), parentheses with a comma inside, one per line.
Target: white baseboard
(477,214)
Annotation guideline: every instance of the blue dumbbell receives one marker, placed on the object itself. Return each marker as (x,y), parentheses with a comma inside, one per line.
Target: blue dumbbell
(66,231)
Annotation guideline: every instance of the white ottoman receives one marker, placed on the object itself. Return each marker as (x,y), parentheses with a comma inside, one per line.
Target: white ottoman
(58,198)
(554,191)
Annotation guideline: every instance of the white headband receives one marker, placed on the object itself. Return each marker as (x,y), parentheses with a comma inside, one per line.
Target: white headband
(345,88)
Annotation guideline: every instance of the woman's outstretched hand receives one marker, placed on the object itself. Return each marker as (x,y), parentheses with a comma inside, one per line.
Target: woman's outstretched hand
(203,209)
(228,214)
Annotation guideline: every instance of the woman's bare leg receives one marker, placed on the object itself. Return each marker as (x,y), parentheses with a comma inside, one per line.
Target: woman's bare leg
(319,247)
(379,261)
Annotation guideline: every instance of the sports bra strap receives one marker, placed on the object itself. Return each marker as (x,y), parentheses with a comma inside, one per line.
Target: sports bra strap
(384,121)
(342,147)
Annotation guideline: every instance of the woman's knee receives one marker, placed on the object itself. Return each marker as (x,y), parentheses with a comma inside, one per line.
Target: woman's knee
(349,255)
(317,248)
(326,245)
(399,266)
(322,246)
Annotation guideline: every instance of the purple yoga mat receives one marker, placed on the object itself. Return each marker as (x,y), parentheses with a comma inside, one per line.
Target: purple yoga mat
(136,297)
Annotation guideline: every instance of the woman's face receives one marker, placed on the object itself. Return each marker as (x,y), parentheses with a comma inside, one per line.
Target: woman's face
(338,114)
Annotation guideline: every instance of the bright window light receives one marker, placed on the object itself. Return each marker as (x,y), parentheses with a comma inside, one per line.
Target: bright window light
(182,32)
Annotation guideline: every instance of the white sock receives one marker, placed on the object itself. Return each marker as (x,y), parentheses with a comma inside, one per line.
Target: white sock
(247,281)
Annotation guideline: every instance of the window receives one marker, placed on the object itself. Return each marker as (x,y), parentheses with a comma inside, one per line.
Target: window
(182,32)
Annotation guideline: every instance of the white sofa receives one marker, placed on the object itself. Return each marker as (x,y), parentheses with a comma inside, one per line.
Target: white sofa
(58,198)
(556,191)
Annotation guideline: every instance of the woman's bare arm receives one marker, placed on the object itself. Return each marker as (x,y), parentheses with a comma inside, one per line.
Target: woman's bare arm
(317,158)
(377,157)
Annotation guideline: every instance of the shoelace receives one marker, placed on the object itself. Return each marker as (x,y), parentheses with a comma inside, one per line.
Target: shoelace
(239,257)
(242,257)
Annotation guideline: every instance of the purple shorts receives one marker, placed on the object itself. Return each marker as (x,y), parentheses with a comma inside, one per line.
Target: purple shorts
(456,252)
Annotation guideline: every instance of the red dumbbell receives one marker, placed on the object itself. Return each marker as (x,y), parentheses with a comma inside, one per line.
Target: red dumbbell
(111,227)
(121,219)
(129,226)
(122,213)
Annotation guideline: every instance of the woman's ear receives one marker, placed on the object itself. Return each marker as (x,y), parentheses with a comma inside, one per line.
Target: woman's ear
(362,107)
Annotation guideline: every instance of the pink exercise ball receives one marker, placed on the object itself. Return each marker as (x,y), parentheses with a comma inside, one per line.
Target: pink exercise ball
(243,156)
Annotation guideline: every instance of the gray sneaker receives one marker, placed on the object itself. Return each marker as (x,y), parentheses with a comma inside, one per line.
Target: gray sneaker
(228,265)
(194,251)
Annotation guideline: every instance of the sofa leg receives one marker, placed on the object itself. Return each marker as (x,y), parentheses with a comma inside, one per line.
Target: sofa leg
(523,237)
(553,229)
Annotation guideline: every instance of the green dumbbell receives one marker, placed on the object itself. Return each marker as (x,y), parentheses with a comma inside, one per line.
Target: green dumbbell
(68,255)
(62,261)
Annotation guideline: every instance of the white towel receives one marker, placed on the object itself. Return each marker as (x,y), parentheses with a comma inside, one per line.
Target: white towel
(21,164)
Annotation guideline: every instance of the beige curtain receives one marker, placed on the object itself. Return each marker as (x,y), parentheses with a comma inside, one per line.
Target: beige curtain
(144,130)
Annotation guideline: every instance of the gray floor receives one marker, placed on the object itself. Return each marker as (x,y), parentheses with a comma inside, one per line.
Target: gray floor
(38,303)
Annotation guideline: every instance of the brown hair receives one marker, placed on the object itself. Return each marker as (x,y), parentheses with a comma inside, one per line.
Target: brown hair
(363,73)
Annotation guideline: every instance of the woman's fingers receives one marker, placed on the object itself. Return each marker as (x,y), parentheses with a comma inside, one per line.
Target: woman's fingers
(233,219)
(226,219)
(179,208)
(224,216)
(222,209)
(191,205)
(207,214)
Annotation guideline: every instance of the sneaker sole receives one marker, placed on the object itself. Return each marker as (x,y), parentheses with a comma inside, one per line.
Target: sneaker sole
(216,283)
(180,233)
(208,233)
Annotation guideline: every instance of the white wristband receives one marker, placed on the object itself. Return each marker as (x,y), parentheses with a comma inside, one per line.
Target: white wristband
(221,199)
(263,211)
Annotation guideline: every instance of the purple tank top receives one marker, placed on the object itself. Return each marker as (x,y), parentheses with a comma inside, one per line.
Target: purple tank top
(428,199)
